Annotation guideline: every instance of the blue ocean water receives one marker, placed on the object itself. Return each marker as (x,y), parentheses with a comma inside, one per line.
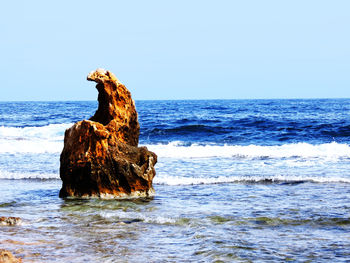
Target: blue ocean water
(237,181)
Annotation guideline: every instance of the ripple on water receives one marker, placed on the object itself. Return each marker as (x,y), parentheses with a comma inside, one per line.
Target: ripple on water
(276,221)
(183,223)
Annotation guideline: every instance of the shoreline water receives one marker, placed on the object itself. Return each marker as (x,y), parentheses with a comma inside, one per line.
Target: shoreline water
(215,227)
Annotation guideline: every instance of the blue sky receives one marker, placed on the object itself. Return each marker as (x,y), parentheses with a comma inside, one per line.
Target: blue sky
(176,49)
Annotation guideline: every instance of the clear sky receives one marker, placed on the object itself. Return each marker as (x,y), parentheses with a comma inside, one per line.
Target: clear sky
(176,49)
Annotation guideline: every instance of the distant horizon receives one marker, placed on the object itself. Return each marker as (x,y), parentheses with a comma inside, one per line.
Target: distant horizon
(2,101)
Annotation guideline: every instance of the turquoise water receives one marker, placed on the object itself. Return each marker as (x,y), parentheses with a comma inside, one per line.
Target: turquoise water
(237,181)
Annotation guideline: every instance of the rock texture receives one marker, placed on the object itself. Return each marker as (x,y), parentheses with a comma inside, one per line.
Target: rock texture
(7,257)
(10,221)
(101,157)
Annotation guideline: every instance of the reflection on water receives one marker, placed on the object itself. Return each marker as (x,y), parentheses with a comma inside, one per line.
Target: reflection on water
(225,222)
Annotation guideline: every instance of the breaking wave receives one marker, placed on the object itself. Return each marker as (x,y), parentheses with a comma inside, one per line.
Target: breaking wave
(130,217)
(28,175)
(49,139)
(184,180)
(298,150)
(181,180)
(42,145)
(44,139)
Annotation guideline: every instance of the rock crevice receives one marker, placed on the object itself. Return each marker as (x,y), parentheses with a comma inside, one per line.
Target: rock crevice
(101,157)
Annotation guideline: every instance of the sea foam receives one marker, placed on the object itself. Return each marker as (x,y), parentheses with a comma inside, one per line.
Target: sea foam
(49,139)
(44,139)
(181,180)
(236,160)
(27,175)
(173,180)
(298,150)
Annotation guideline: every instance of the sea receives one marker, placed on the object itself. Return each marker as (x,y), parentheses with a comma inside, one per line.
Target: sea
(237,181)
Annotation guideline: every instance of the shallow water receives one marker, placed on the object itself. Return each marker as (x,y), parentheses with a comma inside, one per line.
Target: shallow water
(244,222)
(237,181)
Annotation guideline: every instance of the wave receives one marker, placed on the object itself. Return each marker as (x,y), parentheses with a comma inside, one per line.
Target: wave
(193,129)
(28,175)
(49,139)
(123,217)
(298,150)
(43,139)
(44,132)
(183,180)
(180,180)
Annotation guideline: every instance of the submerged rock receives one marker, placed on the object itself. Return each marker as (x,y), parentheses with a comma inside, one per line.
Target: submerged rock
(10,221)
(7,257)
(100,157)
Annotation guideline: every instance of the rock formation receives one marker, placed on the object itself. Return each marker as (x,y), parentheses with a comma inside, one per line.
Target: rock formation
(101,157)
(10,221)
(7,257)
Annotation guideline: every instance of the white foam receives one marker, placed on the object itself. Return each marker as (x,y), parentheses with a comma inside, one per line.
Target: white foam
(179,180)
(127,216)
(35,146)
(156,219)
(45,139)
(49,139)
(12,175)
(299,150)
(184,180)
(44,132)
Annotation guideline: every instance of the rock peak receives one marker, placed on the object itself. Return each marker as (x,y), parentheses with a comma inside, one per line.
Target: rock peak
(116,108)
(101,75)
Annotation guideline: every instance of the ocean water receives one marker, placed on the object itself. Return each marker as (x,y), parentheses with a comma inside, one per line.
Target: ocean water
(237,181)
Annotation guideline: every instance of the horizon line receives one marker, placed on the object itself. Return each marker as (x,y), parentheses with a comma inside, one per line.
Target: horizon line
(320,98)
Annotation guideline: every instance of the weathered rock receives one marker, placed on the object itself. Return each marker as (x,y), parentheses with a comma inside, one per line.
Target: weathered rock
(10,221)
(100,157)
(116,109)
(7,257)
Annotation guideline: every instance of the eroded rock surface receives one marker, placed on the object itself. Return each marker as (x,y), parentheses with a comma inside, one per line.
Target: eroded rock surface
(100,157)
(116,109)
(7,257)
(10,221)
